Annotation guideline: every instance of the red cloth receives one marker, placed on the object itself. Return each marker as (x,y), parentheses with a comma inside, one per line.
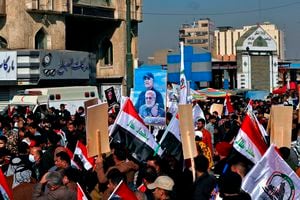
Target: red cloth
(6,191)
(207,139)
(229,107)
(124,192)
(223,148)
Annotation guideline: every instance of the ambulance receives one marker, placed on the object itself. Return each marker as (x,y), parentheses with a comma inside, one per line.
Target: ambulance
(39,99)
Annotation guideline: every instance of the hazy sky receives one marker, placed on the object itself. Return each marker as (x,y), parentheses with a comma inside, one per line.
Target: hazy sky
(163,18)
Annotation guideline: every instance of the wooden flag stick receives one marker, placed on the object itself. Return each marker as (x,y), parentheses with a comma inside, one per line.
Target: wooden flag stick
(98,143)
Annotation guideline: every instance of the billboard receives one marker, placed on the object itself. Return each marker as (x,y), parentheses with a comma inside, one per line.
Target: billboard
(8,65)
(64,65)
(149,95)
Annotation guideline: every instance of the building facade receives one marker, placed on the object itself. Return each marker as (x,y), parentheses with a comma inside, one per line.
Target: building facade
(226,37)
(44,35)
(257,60)
(197,66)
(198,34)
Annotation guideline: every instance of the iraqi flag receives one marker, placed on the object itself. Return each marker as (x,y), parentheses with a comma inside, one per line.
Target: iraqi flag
(183,84)
(249,107)
(71,155)
(81,153)
(227,104)
(123,192)
(170,142)
(249,141)
(130,130)
(5,190)
(272,178)
(80,194)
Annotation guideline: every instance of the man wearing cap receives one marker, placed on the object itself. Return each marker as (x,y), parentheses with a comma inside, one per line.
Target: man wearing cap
(149,85)
(162,188)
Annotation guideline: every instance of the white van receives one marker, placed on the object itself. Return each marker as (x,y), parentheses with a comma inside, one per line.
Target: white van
(72,97)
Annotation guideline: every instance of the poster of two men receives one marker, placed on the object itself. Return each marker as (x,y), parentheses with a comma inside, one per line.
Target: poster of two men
(149,96)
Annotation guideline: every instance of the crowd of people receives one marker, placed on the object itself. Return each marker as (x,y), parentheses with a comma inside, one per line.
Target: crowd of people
(35,156)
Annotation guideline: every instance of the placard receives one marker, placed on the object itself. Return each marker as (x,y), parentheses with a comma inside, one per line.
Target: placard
(217,107)
(281,125)
(187,131)
(97,129)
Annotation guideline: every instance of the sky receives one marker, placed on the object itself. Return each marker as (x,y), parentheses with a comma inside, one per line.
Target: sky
(163,18)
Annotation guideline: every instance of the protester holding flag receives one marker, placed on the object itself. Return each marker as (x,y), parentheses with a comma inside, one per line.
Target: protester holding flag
(117,187)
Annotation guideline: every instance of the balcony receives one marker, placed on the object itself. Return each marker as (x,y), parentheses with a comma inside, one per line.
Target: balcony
(94,3)
(2,8)
(94,8)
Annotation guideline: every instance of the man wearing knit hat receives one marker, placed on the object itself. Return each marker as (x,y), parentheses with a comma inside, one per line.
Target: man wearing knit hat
(223,150)
(162,187)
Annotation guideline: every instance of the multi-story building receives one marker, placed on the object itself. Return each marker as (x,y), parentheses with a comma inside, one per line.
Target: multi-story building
(226,37)
(198,34)
(65,42)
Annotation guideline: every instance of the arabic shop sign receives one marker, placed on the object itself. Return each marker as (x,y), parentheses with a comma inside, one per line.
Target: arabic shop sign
(64,65)
(8,67)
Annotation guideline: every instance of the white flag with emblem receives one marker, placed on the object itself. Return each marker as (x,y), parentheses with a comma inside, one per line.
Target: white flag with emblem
(183,84)
(272,178)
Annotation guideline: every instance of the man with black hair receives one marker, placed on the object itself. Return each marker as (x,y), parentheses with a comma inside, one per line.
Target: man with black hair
(230,187)
(34,134)
(62,161)
(114,177)
(63,112)
(204,183)
(70,178)
(206,136)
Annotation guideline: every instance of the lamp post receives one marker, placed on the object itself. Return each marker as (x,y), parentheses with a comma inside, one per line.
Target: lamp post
(129,61)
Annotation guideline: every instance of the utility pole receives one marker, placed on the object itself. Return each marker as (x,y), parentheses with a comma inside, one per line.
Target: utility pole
(129,61)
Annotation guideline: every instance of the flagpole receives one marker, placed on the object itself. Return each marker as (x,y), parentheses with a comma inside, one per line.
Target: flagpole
(116,188)
(167,130)
(192,163)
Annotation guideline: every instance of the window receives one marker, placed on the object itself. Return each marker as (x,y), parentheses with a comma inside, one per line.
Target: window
(40,39)
(106,52)
(3,43)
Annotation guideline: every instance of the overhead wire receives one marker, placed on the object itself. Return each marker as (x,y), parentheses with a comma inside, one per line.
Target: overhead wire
(222,13)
